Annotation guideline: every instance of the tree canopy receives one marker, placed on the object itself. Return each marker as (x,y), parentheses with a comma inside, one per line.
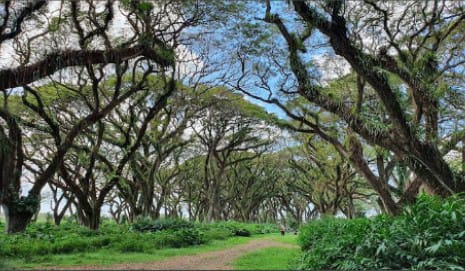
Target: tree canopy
(252,110)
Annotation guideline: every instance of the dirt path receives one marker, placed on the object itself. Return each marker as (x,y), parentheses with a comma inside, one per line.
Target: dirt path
(213,260)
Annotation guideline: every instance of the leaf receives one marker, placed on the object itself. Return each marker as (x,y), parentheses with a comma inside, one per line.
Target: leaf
(434,248)
(381,249)
(145,6)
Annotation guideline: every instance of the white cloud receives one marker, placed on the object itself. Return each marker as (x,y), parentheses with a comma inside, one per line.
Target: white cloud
(330,67)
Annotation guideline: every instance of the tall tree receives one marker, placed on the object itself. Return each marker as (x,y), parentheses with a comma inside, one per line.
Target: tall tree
(229,127)
(149,47)
(402,67)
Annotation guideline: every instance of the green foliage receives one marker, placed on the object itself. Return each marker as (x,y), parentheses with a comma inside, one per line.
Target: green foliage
(217,233)
(145,6)
(147,224)
(23,204)
(144,236)
(428,235)
(233,228)
(161,239)
(336,239)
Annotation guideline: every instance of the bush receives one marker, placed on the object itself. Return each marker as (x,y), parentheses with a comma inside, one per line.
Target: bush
(428,235)
(147,224)
(217,233)
(146,242)
(45,238)
(71,244)
(241,229)
(187,237)
(144,236)
(132,243)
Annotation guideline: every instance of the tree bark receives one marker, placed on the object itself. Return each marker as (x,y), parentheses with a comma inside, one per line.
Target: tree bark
(91,217)
(16,221)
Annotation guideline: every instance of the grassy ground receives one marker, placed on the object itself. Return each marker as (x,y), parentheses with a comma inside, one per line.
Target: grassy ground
(290,238)
(108,257)
(274,258)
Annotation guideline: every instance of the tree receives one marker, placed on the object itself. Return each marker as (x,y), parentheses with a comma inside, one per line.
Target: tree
(325,178)
(398,70)
(149,48)
(228,127)
(153,167)
(250,184)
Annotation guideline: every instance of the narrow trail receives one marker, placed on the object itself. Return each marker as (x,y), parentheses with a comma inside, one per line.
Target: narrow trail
(213,260)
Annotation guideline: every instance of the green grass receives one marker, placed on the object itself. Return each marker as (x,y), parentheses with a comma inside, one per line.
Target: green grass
(107,257)
(273,258)
(44,245)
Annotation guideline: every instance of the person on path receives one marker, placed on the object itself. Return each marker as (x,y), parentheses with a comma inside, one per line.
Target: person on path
(283,230)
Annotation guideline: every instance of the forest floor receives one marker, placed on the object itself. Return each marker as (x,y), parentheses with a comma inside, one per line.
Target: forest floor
(213,260)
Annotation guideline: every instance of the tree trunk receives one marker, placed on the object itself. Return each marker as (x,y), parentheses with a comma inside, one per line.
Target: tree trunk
(211,207)
(213,212)
(58,215)
(16,221)
(93,218)
(463,156)
(381,187)
(434,171)
(89,215)
(95,221)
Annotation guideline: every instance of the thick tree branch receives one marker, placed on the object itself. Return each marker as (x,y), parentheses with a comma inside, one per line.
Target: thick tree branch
(17,77)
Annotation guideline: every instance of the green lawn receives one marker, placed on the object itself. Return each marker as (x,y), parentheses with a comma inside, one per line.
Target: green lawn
(108,256)
(273,258)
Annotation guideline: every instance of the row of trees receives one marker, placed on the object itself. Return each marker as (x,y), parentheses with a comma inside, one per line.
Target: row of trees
(73,74)
(102,104)
(204,155)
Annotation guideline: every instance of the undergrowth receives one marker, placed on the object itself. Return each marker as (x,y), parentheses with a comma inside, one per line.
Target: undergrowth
(428,235)
(144,235)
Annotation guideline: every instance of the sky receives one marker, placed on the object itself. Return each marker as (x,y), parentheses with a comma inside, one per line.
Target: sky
(245,33)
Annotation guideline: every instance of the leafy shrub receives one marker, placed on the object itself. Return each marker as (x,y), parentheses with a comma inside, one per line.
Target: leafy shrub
(187,237)
(147,224)
(132,243)
(428,235)
(217,233)
(242,229)
(336,239)
(71,244)
(267,228)
(144,236)
(44,238)
(146,242)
